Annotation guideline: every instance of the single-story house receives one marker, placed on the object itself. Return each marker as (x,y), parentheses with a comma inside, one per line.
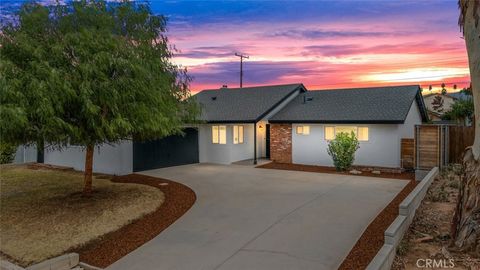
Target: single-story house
(285,123)
(236,121)
(380,117)
(438,104)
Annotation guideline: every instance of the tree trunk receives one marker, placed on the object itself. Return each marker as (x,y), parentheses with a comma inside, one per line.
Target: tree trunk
(466,222)
(87,188)
(40,151)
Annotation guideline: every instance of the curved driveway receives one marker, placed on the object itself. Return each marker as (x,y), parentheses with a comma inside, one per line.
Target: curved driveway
(248,218)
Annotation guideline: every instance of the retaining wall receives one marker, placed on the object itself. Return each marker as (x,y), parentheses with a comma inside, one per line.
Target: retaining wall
(394,233)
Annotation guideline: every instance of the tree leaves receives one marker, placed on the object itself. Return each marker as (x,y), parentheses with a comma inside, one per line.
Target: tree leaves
(90,72)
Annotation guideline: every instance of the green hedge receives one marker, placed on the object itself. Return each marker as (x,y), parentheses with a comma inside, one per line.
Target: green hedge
(7,153)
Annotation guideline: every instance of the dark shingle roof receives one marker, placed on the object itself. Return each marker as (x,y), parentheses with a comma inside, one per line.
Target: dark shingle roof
(246,104)
(355,105)
(460,95)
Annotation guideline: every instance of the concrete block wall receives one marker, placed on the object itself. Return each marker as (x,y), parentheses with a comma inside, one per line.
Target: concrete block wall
(281,143)
(67,261)
(414,199)
(384,258)
(394,233)
(63,262)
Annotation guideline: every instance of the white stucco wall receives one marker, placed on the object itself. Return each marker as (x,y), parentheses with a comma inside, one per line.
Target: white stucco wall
(229,152)
(382,149)
(407,130)
(112,159)
(26,154)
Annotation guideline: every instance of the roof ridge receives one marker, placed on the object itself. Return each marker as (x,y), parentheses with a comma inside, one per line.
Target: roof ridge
(256,86)
(360,88)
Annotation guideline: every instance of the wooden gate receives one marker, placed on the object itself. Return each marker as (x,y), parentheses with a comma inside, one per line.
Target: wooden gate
(460,137)
(408,153)
(431,146)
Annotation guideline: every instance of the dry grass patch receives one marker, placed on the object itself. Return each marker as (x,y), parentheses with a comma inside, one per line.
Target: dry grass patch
(43,213)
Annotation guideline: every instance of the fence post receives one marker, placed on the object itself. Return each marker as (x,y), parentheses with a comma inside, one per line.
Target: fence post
(417,153)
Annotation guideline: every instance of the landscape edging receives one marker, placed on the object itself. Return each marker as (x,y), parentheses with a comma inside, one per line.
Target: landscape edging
(394,233)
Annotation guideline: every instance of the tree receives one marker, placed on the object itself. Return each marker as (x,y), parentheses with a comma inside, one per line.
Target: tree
(466,221)
(444,90)
(460,111)
(467,90)
(90,73)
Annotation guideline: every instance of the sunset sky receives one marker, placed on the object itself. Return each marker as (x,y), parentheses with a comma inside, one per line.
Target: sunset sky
(322,44)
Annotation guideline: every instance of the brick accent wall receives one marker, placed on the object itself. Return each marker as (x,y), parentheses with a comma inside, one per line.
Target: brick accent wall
(281,143)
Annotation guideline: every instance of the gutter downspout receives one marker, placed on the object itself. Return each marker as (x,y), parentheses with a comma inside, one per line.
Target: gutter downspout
(254,143)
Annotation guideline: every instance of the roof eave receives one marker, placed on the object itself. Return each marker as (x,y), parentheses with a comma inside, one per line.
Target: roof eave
(421,105)
(230,121)
(338,121)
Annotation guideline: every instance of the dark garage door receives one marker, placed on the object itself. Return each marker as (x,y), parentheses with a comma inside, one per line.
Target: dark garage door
(169,151)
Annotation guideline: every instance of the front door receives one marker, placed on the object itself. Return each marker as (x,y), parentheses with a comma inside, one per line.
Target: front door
(267,141)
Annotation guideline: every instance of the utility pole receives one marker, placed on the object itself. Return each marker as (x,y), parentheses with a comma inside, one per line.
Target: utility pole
(241,66)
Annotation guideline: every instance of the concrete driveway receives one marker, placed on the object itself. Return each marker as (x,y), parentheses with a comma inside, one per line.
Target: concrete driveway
(247,218)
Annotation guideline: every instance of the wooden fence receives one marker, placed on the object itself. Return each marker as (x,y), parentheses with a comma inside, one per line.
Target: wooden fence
(460,137)
(436,145)
(408,153)
(428,146)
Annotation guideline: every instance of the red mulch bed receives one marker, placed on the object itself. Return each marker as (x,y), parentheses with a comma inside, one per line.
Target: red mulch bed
(113,246)
(325,169)
(372,238)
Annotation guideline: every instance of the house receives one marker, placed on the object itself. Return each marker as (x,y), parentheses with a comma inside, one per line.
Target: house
(234,124)
(285,123)
(236,121)
(437,104)
(380,117)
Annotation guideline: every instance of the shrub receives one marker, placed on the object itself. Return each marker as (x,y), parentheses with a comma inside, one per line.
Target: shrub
(7,153)
(342,150)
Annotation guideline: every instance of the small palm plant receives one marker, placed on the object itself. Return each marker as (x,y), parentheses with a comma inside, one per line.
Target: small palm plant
(342,150)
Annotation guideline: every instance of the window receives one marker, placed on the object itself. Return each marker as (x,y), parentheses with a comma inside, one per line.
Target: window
(329,133)
(304,130)
(214,134)
(332,131)
(345,129)
(237,134)
(219,134)
(362,133)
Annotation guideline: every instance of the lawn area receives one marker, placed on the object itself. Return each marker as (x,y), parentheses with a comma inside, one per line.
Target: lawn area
(43,213)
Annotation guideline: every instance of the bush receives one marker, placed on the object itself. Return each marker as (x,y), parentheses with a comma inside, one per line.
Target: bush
(7,153)
(342,150)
